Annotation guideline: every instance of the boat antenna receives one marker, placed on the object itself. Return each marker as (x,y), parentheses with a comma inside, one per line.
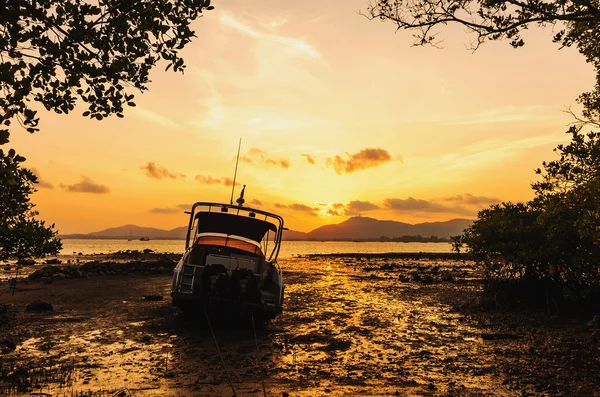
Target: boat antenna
(235,172)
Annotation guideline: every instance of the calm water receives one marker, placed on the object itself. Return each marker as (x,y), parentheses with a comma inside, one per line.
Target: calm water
(288,248)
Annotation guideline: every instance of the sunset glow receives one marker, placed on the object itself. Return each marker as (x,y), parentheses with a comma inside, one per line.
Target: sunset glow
(339,116)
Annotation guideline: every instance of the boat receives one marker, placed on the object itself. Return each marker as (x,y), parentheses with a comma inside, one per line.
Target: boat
(144,238)
(229,266)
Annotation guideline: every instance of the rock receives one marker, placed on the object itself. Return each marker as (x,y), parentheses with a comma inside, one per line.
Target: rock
(7,268)
(435,269)
(26,262)
(153,297)
(427,279)
(7,345)
(39,306)
(448,277)
(416,276)
(148,251)
(53,261)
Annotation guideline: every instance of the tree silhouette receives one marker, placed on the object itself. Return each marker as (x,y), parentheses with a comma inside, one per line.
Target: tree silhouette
(575,23)
(21,235)
(57,52)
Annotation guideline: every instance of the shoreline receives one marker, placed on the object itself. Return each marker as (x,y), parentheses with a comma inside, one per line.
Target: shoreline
(397,255)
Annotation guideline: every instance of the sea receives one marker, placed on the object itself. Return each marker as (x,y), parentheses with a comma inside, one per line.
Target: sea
(288,248)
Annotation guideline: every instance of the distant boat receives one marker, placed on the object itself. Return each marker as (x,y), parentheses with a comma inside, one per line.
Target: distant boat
(144,238)
(130,236)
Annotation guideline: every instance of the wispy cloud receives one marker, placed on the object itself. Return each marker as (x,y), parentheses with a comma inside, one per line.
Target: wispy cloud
(171,210)
(469,199)
(495,150)
(504,114)
(290,45)
(165,210)
(258,156)
(86,185)
(209,180)
(156,171)
(153,117)
(366,158)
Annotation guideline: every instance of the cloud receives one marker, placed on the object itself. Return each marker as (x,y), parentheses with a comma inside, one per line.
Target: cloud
(165,210)
(496,150)
(159,172)
(417,205)
(207,180)
(309,158)
(86,186)
(355,207)
(300,208)
(229,182)
(258,156)
(469,199)
(255,202)
(291,46)
(171,210)
(41,183)
(154,117)
(366,158)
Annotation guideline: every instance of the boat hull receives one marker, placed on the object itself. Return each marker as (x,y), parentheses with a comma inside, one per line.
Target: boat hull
(231,291)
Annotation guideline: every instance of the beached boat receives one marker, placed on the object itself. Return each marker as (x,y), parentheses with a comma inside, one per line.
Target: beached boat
(230,262)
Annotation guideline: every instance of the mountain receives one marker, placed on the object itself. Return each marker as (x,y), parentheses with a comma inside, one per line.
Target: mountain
(293,235)
(139,231)
(364,228)
(356,228)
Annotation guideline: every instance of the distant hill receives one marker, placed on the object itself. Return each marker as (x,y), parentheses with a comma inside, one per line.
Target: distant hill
(356,228)
(364,228)
(135,232)
(294,235)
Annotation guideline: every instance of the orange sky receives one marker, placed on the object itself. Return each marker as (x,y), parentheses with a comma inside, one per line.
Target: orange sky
(338,116)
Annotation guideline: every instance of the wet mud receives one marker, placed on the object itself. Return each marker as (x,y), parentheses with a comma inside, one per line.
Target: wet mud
(352,326)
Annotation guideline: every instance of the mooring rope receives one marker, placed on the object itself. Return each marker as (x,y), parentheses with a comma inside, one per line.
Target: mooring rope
(262,373)
(220,355)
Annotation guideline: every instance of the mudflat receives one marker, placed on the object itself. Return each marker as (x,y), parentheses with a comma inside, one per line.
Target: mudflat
(352,326)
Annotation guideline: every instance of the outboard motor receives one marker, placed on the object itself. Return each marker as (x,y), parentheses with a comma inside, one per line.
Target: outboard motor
(243,285)
(215,280)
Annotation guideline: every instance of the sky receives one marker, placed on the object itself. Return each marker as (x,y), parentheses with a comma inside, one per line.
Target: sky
(338,116)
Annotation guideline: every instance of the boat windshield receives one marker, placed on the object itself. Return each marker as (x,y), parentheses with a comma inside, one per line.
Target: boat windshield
(227,241)
(253,228)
